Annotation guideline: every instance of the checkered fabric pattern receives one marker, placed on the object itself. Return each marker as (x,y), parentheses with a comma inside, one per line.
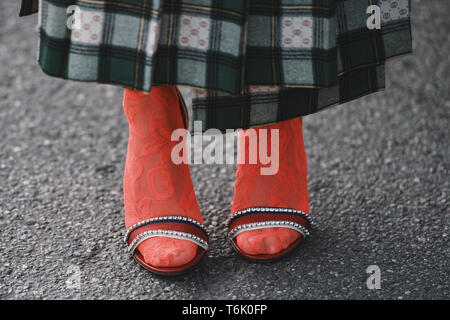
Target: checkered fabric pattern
(247,62)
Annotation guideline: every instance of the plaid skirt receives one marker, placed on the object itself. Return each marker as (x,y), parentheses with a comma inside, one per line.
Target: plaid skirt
(245,62)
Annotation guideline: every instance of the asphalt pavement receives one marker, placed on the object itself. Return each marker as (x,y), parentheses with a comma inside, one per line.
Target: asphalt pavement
(378,180)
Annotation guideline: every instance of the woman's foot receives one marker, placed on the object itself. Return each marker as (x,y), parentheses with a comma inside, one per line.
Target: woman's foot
(266,241)
(285,189)
(153,185)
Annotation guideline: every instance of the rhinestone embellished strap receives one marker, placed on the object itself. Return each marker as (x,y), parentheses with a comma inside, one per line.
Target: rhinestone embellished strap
(268,224)
(235,230)
(180,219)
(166,233)
(275,210)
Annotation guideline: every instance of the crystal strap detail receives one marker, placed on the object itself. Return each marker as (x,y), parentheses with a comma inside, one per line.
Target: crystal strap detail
(271,210)
(166,233)
(162,220)
(268,224)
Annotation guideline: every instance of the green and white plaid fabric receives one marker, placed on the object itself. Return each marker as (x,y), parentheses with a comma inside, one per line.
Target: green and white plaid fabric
(247,62)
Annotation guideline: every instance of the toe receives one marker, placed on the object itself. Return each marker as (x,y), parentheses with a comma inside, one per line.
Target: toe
(245,242)
(271,243)
(167,252)
(266,241)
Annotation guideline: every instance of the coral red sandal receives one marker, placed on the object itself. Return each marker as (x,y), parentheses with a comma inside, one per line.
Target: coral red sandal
(177,227)
(268,217)
(159,198)
(270,212)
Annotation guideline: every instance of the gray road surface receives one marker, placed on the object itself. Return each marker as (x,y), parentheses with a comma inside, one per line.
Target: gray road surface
(378,179)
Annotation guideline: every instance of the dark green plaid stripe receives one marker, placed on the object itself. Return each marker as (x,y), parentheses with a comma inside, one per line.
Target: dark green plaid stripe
(28,7)
(246,44)
(287,103)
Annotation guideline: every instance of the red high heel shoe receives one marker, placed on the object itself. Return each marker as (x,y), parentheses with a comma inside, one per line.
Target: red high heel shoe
(158,194)
(272,201)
